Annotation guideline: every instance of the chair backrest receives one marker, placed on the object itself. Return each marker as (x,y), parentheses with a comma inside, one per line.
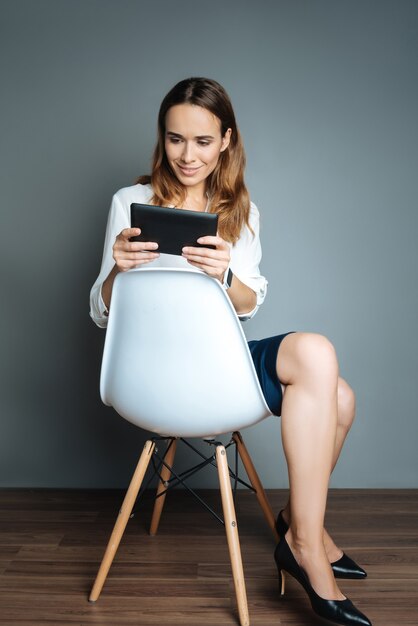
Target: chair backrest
(176,361)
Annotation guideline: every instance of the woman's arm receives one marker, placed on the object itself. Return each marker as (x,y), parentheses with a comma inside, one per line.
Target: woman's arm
(127,255)
(215,262)
(242,297)
(119,254)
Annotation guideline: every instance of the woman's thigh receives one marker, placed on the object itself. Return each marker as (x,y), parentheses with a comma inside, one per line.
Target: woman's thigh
(307,357)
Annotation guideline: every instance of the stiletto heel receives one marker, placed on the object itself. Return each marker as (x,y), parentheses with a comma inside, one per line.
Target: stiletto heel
(282,581)
(338,611)
(343,568)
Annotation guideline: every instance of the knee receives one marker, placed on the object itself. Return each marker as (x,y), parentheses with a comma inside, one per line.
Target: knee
(317,357)
(346,405)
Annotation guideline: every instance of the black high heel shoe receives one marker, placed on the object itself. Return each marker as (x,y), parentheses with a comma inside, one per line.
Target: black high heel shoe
(338,611)
(343,568)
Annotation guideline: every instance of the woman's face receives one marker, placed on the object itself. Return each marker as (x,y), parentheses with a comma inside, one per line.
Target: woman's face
(193,143)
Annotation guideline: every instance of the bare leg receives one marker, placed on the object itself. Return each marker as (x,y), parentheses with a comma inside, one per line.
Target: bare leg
(346,414)
(309,369)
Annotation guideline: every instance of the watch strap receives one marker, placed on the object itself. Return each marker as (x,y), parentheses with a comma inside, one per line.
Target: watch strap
(228,278)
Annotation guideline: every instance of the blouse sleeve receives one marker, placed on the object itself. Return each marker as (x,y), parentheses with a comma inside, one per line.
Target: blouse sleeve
(118,220)
(245,260)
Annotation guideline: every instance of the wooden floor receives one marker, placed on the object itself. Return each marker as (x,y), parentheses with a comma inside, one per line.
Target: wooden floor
(51,544)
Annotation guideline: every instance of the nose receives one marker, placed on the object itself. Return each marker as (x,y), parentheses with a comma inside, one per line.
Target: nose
(187,154)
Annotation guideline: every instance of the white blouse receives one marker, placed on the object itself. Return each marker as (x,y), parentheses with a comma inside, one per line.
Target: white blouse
(245,254)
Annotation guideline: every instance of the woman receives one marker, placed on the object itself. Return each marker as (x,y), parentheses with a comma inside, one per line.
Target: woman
(198,164)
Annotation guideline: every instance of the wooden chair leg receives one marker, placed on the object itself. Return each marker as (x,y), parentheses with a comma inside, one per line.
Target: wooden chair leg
(122,519)
(165,475)
(256,483)
(232,535)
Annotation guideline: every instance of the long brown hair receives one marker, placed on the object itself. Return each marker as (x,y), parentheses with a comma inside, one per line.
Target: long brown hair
(225,185)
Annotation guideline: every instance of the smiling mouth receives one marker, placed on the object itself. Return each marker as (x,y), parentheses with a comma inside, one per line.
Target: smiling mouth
(189,171)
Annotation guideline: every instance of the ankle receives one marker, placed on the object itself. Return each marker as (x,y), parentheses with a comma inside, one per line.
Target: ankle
(304,547)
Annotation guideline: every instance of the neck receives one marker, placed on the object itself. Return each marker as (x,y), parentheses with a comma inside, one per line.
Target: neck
(195,202)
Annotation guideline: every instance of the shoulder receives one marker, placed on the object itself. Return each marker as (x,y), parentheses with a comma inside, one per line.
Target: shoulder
(254,212)
(253,219)
(250,231)
(134,193)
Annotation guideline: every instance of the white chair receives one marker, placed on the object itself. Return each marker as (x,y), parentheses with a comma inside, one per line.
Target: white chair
(176,363)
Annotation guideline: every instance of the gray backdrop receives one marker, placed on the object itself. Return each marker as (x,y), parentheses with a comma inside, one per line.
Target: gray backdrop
(325,93)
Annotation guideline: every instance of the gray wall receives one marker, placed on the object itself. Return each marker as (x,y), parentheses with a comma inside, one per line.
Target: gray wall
(326,97)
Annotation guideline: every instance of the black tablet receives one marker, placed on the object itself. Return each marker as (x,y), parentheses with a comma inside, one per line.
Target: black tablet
(172,228)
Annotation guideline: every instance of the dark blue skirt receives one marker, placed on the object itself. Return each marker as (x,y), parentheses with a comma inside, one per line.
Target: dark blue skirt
(264,353)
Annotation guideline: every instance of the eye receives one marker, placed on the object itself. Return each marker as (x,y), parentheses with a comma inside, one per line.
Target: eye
(174,139)
(203,142)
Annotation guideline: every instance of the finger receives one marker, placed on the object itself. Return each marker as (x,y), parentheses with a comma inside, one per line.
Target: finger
(137,256)
(140,256)
(138,246)
(206,252)
(146,259)
(208,270)
(145,246)
(130,232)
(210,262)
(130,263)
(210,240)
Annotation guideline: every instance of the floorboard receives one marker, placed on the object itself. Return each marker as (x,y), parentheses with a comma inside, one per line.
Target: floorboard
(52,542)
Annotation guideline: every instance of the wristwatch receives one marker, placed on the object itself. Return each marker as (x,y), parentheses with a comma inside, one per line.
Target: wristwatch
(227,279)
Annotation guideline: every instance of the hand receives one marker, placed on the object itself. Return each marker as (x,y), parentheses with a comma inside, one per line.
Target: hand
(130,254)
(212,261)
